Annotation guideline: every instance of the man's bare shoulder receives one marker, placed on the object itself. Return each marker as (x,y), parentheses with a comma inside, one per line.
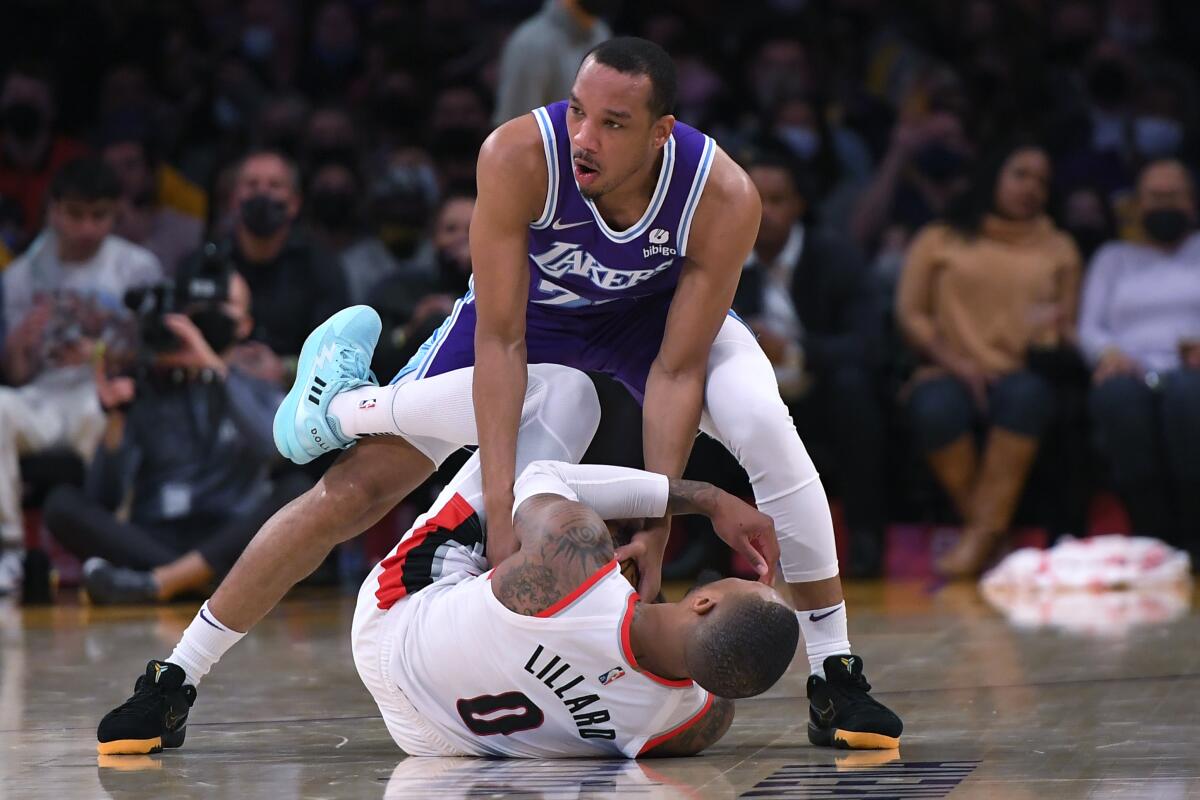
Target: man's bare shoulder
(563,543)
(729,190)
(516,146)
(512,168)
(729,206)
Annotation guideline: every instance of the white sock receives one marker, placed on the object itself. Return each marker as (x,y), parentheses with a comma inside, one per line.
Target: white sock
(824,632)
(367,409)
(202,645)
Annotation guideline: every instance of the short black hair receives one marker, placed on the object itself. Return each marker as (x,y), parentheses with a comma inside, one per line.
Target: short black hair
(743,646)
(631,55)
(86,178)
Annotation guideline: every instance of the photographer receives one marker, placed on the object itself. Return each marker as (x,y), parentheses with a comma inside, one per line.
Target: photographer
(191,436)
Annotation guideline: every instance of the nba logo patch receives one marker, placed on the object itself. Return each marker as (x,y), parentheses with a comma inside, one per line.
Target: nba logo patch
(611,675)
(364,404)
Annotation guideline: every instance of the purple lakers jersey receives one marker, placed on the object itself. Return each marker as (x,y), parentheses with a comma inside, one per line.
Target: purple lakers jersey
(576,260)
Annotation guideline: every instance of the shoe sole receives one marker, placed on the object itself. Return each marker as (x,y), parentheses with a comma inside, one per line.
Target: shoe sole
(130,747)
(851,740)
(287,419)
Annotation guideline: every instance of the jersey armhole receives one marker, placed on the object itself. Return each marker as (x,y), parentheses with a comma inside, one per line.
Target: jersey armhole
(550,145)
(668,735)
(699,181)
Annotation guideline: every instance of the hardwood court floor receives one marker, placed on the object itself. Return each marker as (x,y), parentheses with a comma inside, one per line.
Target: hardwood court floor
(1108,707)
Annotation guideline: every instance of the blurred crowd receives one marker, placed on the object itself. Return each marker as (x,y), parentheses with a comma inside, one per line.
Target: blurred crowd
(977,273)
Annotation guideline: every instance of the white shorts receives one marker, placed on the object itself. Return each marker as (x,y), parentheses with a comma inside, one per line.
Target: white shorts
(373,638)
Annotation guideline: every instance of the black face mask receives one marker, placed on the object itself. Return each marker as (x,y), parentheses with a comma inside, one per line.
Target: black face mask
(938,162)
(333,209)
(218,328)
(1089,238)
(263,215)
(600,8)
(1166,225)
(23,120)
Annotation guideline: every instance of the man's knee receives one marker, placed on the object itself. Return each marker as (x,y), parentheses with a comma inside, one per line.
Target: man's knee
(751,418)
(570,406)
(61,506)
(940,412)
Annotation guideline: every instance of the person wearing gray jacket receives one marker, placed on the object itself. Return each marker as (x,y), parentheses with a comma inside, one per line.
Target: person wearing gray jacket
(189,443)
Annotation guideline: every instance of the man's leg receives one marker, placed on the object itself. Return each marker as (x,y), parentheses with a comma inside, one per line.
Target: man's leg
(743,410)
(1181,424)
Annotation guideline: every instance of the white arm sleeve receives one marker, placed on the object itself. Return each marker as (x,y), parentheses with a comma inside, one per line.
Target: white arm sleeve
(613,492)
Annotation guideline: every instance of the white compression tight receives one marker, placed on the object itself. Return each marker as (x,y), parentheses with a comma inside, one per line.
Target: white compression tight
(743,411)
(437,416)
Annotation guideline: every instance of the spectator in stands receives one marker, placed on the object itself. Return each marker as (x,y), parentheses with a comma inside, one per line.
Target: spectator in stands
(141,217)
(807,296)
(542,55)
(976,294)
(296,285)
(31,150)
(63,299)
(191,436)
(412,302)
(335,209)
(1140,327)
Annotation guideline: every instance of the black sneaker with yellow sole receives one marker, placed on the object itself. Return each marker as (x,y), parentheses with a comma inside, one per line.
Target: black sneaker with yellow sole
(842,714)
(153,718)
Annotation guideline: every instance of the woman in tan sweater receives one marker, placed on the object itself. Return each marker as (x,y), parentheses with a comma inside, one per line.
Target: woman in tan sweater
(976,293)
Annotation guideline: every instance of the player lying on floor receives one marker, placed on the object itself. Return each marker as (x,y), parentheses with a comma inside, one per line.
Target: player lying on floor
(552,654)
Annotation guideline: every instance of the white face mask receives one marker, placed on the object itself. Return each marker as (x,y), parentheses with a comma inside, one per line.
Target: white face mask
(800,139)
(1157,137)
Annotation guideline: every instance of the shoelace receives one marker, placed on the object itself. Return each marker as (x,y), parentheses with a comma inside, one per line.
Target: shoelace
(352,364)
(141,692)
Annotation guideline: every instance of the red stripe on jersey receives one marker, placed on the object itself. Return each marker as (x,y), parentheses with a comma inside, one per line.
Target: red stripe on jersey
(391,580)
(671,734)
(627,647)
(579,590)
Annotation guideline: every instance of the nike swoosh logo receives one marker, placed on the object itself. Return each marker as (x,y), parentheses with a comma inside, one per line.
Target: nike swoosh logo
(825,715)
(560,226)
(174,720)
(815,618)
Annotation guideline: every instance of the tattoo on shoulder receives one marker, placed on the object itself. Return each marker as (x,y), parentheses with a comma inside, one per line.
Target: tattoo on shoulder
(528,588)
(704,734)
(580,546)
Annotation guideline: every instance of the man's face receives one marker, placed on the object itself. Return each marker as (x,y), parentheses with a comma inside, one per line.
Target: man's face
(450,231)
(613,132)
(128,160)
(267,175)
(781,203)
(1165,185)
(81,225)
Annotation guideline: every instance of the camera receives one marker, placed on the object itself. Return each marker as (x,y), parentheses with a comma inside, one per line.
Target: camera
(199,293)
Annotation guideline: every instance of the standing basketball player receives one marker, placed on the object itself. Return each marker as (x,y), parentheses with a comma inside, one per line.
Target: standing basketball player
(607,237)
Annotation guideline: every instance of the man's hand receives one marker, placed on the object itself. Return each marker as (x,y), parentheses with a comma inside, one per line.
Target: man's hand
(1189,352)
(258,361)
(646,549)
(501,541)
(194,351)
(1112,364)
(749,532)
(976,380)
(114,393)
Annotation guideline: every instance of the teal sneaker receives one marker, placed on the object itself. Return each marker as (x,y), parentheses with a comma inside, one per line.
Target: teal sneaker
(336,358)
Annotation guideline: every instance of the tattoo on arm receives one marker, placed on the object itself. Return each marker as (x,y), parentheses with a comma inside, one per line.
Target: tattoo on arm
(704,734)
(691,497)
(562,544)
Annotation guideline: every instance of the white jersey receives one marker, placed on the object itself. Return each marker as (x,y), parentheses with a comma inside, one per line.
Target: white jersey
(491,682)
(456,673)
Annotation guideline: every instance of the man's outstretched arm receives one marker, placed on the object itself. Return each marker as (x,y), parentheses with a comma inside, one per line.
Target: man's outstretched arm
(511,195)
